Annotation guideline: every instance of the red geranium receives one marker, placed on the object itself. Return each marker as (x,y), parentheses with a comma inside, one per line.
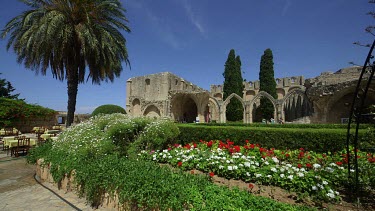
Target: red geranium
(339,163)
(179,163)
(308,165)
(299,165)
(212,174)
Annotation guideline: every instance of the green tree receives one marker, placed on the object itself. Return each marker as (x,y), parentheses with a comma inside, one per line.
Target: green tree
(69,36)
(108,109)
(6,89)
(267,83)
(233,83)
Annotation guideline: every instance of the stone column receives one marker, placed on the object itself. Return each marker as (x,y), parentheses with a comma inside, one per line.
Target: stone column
(128,94)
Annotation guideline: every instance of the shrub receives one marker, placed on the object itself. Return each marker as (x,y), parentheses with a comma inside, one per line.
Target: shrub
(156,135)
(124,131)
(108,109)
(319,140)
(12,111)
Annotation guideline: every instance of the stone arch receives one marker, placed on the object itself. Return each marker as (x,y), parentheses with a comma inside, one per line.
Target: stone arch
(152,111)
(296,105)
(339,104)
(257,98)
(214,109)
(136,107)
(184,107)
(225,104)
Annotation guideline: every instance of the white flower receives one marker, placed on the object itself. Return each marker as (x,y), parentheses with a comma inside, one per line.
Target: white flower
(329,169)
(228,161)
(274,169)
(240,164)
(289,165)
(282,175)
(282,169)
(230,168)
(248,174)
(325,182)
(258,175)
(314,188)
(235,167)
(269,176)
(275,159)
(331,195)
(316,166)
(221,167)
(266,163)
(290,177)
(300,174)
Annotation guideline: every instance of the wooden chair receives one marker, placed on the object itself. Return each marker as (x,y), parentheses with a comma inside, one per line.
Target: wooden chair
(23,146)
(8,131)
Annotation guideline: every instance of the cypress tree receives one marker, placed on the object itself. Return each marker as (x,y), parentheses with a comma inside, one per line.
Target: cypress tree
(233,84)
(267,83)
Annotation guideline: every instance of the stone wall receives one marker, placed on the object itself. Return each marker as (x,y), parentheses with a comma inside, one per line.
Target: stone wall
(26,125)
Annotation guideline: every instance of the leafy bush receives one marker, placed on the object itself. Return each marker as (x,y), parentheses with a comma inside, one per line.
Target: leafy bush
(12,111)
(108,109)
(124,131)
(319,140)
(156,135)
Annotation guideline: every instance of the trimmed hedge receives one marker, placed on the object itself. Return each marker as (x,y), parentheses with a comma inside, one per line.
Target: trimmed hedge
(318,140)
(316,126)
(108,109)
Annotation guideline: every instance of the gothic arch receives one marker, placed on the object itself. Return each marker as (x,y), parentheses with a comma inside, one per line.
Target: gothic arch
(262,94)
(214,109)
(151,111)
(223,117)
(136,107)
(226,102)
(296,105)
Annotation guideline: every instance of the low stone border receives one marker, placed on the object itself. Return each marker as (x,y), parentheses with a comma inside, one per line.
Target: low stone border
(67,185)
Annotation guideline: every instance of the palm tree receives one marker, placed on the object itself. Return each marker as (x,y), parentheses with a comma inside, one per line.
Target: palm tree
(67,36)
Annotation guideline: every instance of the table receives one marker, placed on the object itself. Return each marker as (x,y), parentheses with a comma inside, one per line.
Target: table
(11,142)
(46,136)
(14,143)
(51,131)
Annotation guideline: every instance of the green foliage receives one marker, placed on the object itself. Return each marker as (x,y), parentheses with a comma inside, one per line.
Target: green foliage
(6,89)
(267,83)
(108,109)
(233,83)
(316,126)
(12,111)
(52,35)
(156,135)
(319,140)
(123,132)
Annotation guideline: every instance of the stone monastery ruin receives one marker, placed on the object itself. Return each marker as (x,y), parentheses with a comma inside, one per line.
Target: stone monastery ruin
(323,99)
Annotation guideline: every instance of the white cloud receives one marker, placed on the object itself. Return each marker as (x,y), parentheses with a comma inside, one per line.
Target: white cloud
(193,18)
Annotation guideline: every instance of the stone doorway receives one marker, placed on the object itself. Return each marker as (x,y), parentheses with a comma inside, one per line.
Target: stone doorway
(184,108)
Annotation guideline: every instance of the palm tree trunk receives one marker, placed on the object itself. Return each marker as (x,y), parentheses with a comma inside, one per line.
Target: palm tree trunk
(72,96)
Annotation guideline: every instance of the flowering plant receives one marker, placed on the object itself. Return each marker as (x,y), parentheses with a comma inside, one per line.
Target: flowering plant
(319,175)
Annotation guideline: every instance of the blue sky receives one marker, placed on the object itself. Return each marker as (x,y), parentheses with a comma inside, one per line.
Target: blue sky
(192,39)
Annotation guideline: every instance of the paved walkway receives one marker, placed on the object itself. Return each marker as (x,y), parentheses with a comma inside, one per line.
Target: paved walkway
(19,190)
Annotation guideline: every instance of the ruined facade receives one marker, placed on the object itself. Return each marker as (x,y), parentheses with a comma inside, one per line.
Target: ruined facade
(324,99)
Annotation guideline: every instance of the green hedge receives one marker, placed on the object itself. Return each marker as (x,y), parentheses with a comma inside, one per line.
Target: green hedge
(108,109)
(316,126)
(318,140)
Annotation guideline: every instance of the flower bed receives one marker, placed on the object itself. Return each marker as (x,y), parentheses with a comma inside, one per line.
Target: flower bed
(321,176)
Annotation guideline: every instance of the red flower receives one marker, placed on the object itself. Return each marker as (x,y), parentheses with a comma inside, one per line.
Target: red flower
(308,165)
(179,163)
(301,149)
(192,171)
(209,144)
(299,165)
(252,146)
(251,186)
(169,149)
(195,145)
(237,148)
(247,141)
(187,146)
(212,174)
(287,155)
(339,163)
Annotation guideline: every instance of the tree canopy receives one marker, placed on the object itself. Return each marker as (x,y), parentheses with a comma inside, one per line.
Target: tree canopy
(233,83)
(267,83)
(6,89)
(71,37)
